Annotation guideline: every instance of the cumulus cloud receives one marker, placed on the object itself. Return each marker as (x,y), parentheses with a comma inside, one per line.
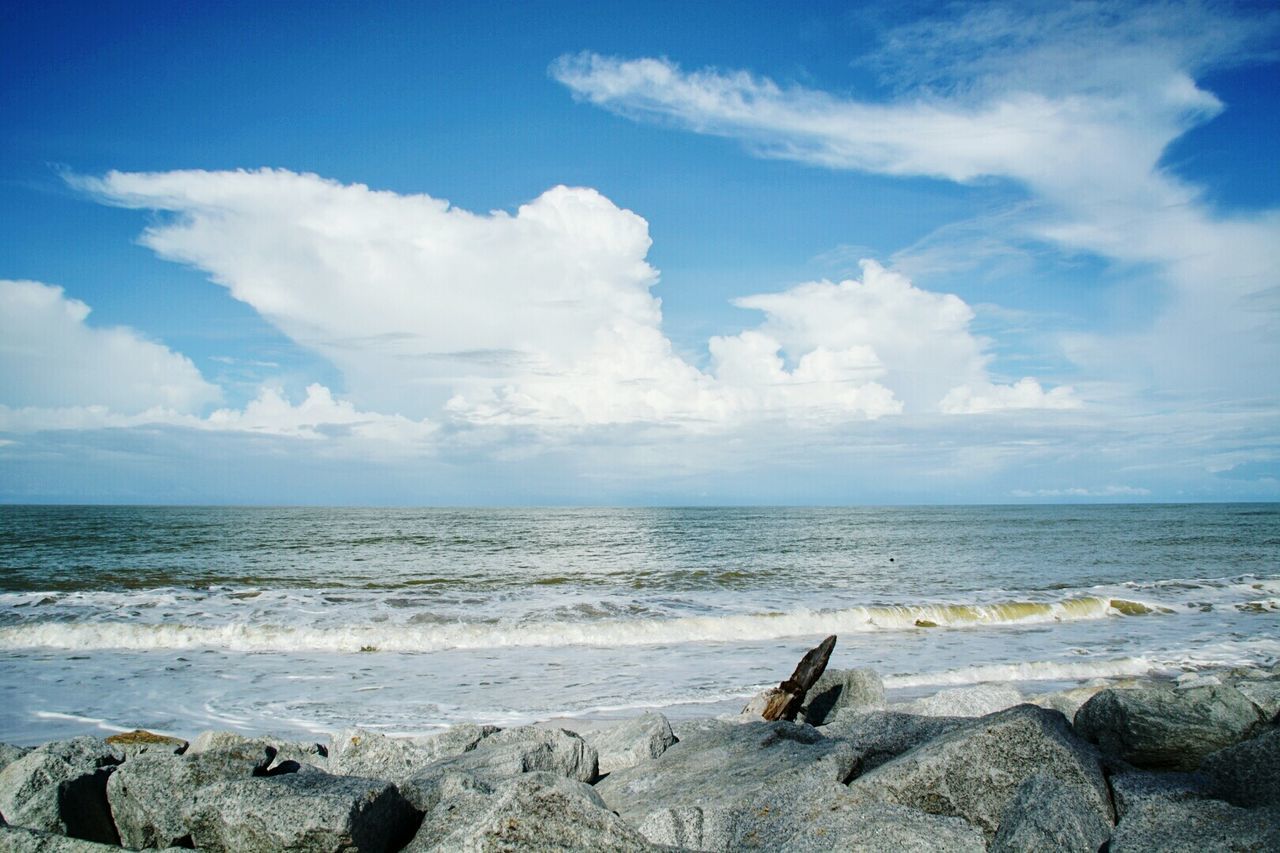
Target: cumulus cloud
(50,356)
(544,317)
(1077,103)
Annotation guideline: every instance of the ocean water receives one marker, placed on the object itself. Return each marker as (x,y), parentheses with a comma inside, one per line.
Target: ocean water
(301,621)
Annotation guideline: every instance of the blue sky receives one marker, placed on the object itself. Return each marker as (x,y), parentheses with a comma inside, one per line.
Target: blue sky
(639,253)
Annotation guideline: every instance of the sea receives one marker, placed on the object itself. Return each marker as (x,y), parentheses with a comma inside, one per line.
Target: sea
(303,621)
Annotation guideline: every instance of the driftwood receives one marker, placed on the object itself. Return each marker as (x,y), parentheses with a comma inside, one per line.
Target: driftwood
(785,702)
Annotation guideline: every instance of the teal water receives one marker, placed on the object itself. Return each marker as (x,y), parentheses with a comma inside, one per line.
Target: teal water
(305,620)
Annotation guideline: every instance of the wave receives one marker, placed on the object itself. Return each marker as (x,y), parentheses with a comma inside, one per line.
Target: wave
(399,637)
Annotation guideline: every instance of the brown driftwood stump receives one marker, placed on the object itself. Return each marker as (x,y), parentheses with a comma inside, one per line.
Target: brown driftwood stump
(787,699)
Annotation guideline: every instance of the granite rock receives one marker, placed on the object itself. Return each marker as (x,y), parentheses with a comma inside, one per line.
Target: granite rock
(974,772)
(1132,789)
(61,787)
(1247,773)
(141,741)
(17,839)
(240,746)
(356,752)
(880,736)
(632,741)
(313,812)
(1162,729)
(10,753)
(1161,825)
(840,690)
(727,766)
(972,701)
(535,811)
(1264,694)
(1047,815)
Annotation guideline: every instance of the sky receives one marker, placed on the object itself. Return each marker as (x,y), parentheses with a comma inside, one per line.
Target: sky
(639,253)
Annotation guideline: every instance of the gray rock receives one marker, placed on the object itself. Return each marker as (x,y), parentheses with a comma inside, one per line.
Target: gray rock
(16,839)
(154,795)
(632,741)
(61,787)
(754,709)
(1047,815)
(281,751)
(884,735)
(974,771)
(1067,702)
(725,766)
(1193,826)
(140,741)
(356,752)
(1131,789)
(1247,773)
(841,689)
(973,701)
(535,811)
(816,817)
(10,753)
(1167,729)
(506,754)
(302,812)
(1265,696)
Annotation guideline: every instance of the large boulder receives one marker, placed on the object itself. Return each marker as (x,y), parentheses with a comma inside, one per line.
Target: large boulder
(880,736)
(140,741)
(1264,694)
(1131,789)
(1193,826)
(727,766)
(534,811)
(154,795)
(1164,729)
(1046,814)
(632,741)
(810,817)
(281,751)
(17,839)
(10,753)
(1247,773)
(356,752)
(975,700)
(506,754)
(974,772)
(841,689)
(61,787)
(314,812)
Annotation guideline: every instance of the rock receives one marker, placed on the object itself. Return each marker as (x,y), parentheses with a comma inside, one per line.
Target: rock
(238,745)
(1158,728)
(632,741)
(1046,814)
(139,741)
(1131,789)
(1265,696)
(974,771)
(842,689)
(755,707)
(16,839)
(506,754)
(1193,826)
(818,817)
(10,753)
(1248,773)
(536,811)
(61,787)
(880,736)
(973,701)
(722,767)
(356,752)
(314,812)
(1067,702)
(154,795)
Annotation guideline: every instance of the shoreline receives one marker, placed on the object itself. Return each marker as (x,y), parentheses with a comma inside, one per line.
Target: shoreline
(1135,762)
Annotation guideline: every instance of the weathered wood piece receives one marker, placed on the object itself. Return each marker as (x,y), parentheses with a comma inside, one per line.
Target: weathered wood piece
(786,701)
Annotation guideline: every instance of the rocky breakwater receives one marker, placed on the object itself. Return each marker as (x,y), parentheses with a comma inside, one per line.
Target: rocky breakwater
(1146,765)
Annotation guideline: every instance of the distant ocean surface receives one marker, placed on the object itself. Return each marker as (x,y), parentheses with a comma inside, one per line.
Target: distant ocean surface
(300,621)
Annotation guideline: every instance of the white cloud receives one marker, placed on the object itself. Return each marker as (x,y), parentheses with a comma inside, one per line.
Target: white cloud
(1026,393)
(50,356)
(544,317)
(1075,102)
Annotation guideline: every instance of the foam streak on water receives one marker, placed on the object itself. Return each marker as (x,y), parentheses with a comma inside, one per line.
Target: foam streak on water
(305,620)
